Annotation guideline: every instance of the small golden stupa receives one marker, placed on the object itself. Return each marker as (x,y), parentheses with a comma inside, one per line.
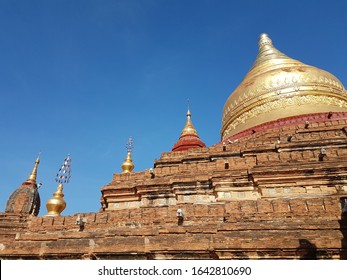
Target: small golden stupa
(189,128)
(56,204)
(128,164)
(189,138)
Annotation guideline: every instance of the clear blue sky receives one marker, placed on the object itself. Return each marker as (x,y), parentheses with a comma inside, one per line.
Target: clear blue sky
(80,77)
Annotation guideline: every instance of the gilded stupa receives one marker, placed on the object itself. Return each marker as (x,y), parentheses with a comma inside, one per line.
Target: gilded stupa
(189,138)
(128,165)
(278,87)
(56,204)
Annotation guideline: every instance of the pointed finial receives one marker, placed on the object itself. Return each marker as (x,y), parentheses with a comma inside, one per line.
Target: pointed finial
(188,112)
(266,51)
(33,174)
(264,39)
(189,128)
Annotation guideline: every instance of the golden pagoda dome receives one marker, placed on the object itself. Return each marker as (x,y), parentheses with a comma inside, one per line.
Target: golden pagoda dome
(277,87)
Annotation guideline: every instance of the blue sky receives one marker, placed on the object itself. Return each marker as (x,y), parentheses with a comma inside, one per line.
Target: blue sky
(80,77)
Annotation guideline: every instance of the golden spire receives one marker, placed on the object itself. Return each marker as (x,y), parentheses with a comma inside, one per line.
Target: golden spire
(56,204)
(267,51)
(33,174)
(128,164)
(189,127)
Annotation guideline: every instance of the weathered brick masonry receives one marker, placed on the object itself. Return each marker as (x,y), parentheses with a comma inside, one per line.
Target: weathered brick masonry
(276,198)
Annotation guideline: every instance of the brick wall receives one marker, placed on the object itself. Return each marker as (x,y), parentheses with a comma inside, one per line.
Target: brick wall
(265,228)
(274,194)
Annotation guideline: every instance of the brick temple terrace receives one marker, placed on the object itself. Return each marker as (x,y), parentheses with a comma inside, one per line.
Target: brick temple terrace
(274,187)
